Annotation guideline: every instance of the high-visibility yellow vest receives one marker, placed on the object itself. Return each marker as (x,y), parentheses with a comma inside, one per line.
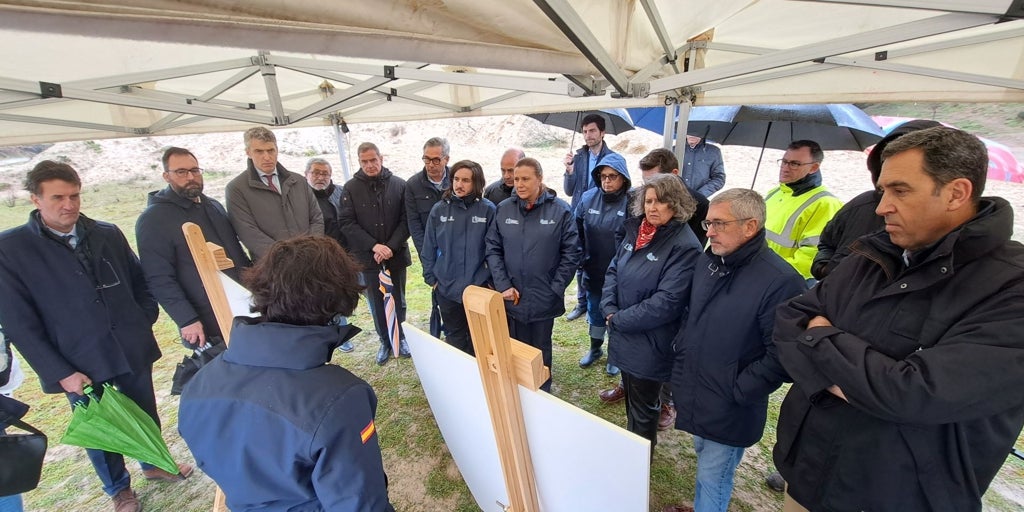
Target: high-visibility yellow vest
(794,223)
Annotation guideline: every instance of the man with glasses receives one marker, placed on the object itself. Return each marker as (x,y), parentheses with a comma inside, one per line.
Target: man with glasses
(167,262)
(727,344)
(503,188)
(74,301)
(268,203)
(799,207)
(423,190)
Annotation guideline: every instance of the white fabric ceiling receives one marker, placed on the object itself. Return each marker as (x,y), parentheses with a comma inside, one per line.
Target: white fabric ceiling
(164,66)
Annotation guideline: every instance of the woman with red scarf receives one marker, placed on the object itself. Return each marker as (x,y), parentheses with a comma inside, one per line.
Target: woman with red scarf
(646,291)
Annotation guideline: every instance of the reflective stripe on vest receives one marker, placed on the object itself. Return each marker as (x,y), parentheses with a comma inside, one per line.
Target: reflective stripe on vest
(785,239)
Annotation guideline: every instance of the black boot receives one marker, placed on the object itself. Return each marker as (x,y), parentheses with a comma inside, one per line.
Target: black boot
(593,354)
(383,353)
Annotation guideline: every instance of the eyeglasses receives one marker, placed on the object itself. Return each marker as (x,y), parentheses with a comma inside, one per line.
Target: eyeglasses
(106,276)
(321,174)
(792,164)
(181,173)
(433,161)
(719,224)
(610,177)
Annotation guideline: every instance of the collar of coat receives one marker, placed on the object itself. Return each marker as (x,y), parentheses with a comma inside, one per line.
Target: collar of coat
(83,227)
(168,195)
(255,175)
(742,255)
(805,184)
(988,230)
(385,173)
(292,347)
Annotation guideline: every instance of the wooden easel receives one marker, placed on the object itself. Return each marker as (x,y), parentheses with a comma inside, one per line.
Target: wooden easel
(505,364)
(210,259)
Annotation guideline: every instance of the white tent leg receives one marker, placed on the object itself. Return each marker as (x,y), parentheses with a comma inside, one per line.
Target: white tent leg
(341,139)
(681,121)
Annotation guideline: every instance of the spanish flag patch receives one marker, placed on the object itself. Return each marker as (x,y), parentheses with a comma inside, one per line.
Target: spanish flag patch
(367,432)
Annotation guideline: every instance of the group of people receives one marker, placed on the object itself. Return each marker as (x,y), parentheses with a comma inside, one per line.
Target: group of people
(905,357)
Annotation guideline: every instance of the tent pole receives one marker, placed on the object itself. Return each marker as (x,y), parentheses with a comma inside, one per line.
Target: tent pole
(668,126)
(341,139)
(682,120)
(759,157)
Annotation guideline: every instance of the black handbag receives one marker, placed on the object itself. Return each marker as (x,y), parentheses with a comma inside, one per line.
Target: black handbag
(189,365)
(23,458)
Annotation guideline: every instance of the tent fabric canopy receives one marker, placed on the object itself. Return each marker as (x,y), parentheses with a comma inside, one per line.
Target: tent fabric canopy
(113,68)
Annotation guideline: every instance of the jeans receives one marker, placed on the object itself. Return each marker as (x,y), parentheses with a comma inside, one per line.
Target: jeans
(716,465)
(594,316)
(109,466)
(11,503)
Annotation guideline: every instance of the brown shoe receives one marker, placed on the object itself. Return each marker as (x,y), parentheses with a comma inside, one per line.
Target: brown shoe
(610,396)
(185,470)
(126,501)
(677,508)
(667,418)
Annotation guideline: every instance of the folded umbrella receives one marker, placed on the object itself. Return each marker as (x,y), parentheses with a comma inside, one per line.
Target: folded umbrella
(390,313)
(112,422)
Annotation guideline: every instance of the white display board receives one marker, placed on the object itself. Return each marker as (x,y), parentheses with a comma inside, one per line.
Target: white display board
(581,461)
(239,298)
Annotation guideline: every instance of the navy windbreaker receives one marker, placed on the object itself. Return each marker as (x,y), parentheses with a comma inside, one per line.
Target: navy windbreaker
(454,248)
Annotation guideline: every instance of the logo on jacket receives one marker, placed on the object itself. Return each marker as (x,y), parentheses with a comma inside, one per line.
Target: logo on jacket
(477,220)
(446,219)
(594,212)
(546,222)
(627,247)
(651,257)
(621,213)
(511,221)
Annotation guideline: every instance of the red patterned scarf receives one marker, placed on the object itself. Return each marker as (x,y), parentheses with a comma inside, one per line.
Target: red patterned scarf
(645,235)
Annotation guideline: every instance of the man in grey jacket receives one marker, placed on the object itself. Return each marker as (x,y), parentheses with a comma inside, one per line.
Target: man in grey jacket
(268,203)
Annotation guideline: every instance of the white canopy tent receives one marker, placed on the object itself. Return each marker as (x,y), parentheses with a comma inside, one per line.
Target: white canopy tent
(110,68)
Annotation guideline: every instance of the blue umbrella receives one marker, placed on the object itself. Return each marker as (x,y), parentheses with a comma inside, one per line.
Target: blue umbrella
(616,120)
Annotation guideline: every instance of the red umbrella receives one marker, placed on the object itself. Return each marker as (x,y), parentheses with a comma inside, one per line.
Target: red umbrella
(1002,164)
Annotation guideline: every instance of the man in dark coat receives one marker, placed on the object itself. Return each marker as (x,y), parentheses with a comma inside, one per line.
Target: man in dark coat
(74,301)
(504,187)
(423,190)
(328,196)
(578,179)
(704,168)
(726,364)
(532,251)
(908,359)
(373,220)
(171,273)
(857,217)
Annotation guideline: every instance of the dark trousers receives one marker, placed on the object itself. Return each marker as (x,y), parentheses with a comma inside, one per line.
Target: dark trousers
(643,405)
(454,316)
(375,299)
(109,466)
(536,334)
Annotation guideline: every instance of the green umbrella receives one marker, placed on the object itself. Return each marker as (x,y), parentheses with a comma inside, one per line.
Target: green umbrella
(113,422)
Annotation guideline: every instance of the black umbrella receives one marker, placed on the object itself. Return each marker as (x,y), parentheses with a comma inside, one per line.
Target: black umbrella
(616,120)
(834,127)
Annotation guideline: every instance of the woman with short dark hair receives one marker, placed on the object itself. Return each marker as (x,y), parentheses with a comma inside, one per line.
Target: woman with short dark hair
(646,290)
(300,431)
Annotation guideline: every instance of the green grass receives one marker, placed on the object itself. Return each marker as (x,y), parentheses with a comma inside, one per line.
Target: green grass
(422,473)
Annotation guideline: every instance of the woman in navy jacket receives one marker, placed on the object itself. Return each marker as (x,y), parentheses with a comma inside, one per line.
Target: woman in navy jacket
(646,291)
(533,251)
(303,434)
(454,249)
